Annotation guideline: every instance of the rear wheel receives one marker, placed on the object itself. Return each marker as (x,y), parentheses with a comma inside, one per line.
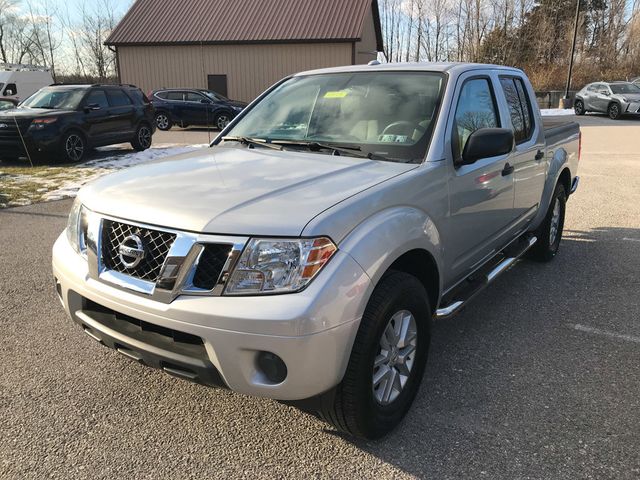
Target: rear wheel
(73,147)
(142,139)
(163,121)
(614,111)
(549,233)
(578,107)
(387,361)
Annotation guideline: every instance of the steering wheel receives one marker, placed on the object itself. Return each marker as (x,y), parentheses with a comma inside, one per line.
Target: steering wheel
(401,123)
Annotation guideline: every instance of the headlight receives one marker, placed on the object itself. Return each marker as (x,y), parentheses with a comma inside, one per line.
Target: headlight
(77,227)
(272,265)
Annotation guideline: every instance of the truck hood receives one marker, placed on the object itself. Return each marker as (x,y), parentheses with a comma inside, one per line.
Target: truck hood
(236,190)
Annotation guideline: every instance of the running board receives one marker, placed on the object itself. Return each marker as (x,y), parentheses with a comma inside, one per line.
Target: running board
(474,284)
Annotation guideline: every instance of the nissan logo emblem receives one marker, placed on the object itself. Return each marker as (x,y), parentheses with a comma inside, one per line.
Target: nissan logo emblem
(131,251)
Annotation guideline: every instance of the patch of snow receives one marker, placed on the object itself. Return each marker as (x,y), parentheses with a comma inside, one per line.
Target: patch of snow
(556,112)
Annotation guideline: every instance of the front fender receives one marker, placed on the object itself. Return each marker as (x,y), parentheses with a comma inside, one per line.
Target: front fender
(384,237)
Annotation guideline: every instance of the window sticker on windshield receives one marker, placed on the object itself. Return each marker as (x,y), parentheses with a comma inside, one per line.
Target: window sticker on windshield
(336,94)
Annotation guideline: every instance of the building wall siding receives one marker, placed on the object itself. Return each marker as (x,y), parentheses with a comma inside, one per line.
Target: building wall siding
(366,48)
(250,69)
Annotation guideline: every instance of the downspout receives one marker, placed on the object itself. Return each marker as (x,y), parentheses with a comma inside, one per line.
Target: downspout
(115,50)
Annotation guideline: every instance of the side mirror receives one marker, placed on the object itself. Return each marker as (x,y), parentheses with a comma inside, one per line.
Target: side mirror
(605,93)
(91,107)
(486,143)
(204,100)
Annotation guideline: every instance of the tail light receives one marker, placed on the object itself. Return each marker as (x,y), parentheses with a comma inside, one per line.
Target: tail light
(579,145)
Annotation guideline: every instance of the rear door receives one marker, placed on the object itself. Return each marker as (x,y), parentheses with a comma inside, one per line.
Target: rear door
(481,194)
(528,158)
(121,115)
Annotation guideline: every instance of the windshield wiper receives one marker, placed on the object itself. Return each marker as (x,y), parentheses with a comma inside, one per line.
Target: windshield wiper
(352,150)
(252,142)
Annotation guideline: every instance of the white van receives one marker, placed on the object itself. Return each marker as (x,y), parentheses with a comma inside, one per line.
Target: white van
(18,82)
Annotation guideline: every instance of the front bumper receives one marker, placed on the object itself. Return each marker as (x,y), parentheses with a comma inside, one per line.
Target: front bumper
(311,331)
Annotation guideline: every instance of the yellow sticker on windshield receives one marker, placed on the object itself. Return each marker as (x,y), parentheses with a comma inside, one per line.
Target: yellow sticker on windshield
(337,94)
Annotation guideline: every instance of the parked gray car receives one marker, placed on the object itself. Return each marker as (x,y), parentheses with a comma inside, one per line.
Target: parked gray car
(303,256)
(614,98)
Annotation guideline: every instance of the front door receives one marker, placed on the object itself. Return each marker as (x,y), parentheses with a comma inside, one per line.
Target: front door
(97,116)
(480,194)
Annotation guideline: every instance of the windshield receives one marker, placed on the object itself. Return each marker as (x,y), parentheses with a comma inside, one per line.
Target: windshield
(619,88)
(387,114)
(55,98)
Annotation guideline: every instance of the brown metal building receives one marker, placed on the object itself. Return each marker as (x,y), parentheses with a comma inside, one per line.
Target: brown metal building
(240,47)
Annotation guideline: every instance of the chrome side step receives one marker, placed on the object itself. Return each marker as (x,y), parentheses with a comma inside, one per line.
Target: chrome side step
(479,281)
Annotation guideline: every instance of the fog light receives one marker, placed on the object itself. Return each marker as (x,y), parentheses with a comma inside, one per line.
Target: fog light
(59,290)
(272,366)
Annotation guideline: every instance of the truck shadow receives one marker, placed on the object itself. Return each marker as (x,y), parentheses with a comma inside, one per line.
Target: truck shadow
(509,382)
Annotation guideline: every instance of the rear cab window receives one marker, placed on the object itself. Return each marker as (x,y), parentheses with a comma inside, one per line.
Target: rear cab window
(10,89)
(476,109)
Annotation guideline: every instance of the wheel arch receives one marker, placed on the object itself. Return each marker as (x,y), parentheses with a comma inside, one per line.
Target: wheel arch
(422,265)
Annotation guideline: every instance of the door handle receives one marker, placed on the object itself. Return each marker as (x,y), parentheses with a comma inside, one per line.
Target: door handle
(539,155)
(507,170)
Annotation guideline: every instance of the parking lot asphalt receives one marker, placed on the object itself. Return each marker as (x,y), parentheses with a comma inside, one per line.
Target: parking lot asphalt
(538,378)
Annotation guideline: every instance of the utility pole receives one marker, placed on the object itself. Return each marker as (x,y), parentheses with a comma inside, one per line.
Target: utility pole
(564,103)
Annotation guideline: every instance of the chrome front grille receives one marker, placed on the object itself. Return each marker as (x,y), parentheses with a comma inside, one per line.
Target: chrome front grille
(156,245)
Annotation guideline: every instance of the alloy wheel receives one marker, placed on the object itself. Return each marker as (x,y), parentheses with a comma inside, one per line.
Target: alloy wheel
(395,358)
(555,222)
(144,137)
(162,121)
(222,121)
(74,147)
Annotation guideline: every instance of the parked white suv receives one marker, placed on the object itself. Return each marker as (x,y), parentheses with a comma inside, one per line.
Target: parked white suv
(303,256)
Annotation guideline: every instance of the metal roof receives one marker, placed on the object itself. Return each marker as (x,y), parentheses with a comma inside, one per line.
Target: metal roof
(150,22)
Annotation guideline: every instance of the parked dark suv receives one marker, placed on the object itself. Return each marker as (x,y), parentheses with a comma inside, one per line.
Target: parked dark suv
(64,121)
(186,107)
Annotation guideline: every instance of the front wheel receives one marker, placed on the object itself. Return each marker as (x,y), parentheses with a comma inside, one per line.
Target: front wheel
(222,120)
(549,232)
(614,111)
(578,107)
(73,147)
(163,121)
(387,361)
(142,139)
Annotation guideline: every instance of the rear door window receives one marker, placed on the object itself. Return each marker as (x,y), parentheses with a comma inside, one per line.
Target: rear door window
(117,98)
(97,97)
(476,109)
(176,96)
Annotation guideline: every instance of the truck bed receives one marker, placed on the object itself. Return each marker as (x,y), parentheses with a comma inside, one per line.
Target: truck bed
(558,130)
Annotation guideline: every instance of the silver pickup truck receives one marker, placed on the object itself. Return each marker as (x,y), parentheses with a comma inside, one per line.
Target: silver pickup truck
(303,256)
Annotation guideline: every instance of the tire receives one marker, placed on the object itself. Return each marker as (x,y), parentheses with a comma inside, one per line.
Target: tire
(358,406)
(163,121)
(549,233)
(73,147)
(143,138)
(578,107)
(614,111)
(222,120)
